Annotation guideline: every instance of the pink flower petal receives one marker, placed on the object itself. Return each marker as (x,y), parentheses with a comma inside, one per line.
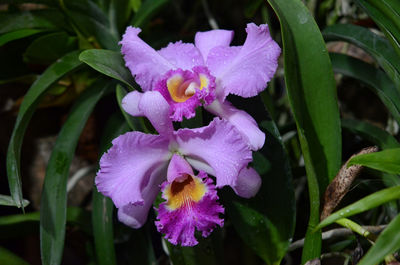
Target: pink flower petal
(127,166)
(145,63)
(219,145)
(205,41)
(154,106)
(182,55)
(177,168)
(248,183)
(245,70)
(135,216)
(242,121)
(130,103)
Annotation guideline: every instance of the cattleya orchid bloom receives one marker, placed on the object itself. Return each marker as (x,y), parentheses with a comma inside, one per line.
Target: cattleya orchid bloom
(205,74)
(134,167)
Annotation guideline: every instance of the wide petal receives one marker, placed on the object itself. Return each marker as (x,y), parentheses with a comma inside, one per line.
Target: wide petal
(207,40)
(245,71)
(130,103)
(178,167)
(145,63)
(182,55)
(127,166)
(245,124)
(220,146)
(248,183)
(154,106)
(135,216)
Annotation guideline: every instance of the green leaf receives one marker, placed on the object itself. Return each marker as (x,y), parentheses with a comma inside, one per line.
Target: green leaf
(7,257)
(17,34)
(387,160)
(377,80)
(109,63)
(387,243)
(207,252)
(49,48)
(371,133)
(386,15)
(6,200)
(35,19)
(22,224)
(147,9)
(119,12)
(92,22)
(135,4)
(53,206)
(138,248)
(54,72)
(265,228)
(312,95)
(365,204)
(375,45)
(102,214)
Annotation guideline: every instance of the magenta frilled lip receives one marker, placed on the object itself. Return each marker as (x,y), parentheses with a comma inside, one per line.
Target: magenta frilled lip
(191,203)
(204,73)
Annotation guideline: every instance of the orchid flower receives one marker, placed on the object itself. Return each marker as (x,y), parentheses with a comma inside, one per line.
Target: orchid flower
(134,167)
(205,73)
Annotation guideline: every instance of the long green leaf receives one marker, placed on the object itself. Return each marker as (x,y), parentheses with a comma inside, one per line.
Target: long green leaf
(387,243)
(57,70)
(48,48)
(109,63)
(17,34)
(365,204)
(207,252)
(147,9)
(372,43)
(102,214)
(387,160)
(376,79)
(386,14)
(371,133)
(92,22)
(19,224)
(36,19)
(8,201)
(267,229)
(53,206)
(312,96)
(7,257)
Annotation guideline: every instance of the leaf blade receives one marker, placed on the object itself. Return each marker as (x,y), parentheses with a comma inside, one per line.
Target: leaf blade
(376,80)
(63,66)
(54,195)
(369,202)
(109,63)
(315,110)
(387,160)
(387,243)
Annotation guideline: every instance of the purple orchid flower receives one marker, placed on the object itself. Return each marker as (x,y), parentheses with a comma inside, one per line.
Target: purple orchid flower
(134,167)
(205,73)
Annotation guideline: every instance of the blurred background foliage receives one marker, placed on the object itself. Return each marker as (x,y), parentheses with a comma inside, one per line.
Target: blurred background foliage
(336,91)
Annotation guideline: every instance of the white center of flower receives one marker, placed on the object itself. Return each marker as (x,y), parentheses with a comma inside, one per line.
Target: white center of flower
(191,89)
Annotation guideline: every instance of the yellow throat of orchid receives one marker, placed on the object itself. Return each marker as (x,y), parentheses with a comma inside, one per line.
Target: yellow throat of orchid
(181,90)
(184,193)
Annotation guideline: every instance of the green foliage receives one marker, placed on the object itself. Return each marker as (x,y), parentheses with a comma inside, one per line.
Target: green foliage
(387,160)
(54,195)
(311,93)
(57,70)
